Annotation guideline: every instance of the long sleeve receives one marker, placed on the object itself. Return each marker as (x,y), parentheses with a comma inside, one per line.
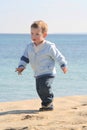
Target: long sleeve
(24,59)
(57,56)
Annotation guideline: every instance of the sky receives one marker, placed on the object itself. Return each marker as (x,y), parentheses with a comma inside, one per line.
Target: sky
(62,16)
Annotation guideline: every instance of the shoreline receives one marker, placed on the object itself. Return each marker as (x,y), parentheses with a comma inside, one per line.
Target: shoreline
(70,113)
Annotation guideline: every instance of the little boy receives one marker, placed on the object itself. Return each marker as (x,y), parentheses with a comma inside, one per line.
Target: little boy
(42,54)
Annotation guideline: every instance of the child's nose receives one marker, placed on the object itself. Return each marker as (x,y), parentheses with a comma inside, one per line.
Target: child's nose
(33,36)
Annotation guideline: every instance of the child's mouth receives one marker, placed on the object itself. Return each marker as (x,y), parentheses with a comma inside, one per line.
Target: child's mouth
(34,39)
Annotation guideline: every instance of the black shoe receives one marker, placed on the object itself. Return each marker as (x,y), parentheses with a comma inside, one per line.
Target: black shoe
(48,105)
(46,109)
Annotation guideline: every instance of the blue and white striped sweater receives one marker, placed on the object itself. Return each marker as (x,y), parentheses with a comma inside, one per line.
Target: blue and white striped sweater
(42,58)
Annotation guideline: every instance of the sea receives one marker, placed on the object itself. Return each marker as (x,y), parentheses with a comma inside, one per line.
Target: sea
(14,87)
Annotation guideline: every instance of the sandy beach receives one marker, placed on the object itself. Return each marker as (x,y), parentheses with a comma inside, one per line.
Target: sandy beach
(70,113)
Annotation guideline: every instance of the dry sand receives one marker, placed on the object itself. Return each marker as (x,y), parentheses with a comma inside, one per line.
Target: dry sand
(70,113)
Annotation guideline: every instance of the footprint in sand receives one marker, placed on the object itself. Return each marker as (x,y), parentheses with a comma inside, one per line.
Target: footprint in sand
(32,117)
(84,104)
(24,128)
(84,127)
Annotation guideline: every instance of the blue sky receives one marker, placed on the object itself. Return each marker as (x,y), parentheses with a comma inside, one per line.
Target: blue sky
(62,16)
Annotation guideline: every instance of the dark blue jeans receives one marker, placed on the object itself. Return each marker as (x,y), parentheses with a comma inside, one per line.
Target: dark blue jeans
(44,89)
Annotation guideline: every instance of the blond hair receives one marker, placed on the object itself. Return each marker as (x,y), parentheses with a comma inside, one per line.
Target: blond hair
(40,24)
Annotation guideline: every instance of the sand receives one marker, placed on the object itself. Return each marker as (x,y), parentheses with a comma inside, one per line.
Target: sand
(70,113)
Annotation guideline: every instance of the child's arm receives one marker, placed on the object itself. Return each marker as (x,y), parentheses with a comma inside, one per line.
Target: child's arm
(23,62)
(57,56)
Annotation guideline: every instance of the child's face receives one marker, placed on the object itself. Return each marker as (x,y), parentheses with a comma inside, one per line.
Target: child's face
(37,36)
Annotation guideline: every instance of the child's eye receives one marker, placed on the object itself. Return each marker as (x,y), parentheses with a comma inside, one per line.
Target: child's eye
(37,34)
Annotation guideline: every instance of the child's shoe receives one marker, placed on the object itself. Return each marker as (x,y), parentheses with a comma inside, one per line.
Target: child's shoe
(49,107)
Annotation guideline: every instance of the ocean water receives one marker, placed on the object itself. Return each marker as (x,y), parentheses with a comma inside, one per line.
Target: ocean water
(14,87)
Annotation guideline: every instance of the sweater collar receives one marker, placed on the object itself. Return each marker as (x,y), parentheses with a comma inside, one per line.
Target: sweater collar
(39,47)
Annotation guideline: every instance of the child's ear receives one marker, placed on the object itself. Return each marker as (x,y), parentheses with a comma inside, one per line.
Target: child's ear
(45,34)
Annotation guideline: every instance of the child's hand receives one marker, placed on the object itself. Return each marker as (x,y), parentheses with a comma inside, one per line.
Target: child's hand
(64,69)
(19,70)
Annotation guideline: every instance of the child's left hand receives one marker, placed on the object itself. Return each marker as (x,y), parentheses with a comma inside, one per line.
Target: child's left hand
(65,69)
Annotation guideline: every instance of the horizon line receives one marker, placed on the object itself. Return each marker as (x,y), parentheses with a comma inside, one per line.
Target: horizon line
(48,33)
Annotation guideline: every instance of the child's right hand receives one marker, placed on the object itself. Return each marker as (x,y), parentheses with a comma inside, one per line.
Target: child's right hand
(19,70)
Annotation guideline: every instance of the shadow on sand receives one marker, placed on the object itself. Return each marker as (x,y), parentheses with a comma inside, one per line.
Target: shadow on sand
(19,112)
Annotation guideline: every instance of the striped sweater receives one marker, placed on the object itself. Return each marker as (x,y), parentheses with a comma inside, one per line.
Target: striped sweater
(42,58)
